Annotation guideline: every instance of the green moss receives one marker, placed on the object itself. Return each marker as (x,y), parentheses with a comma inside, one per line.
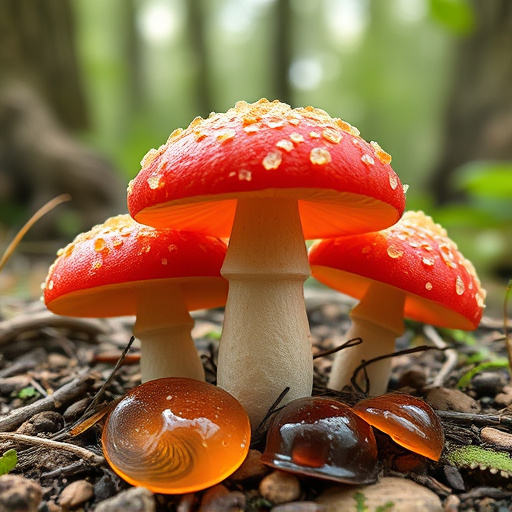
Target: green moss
(483,458)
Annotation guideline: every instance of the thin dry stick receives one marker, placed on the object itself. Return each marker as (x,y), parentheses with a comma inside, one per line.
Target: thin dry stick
(65,394)
(11,328)
(83,453)
(450,354)
(50,205)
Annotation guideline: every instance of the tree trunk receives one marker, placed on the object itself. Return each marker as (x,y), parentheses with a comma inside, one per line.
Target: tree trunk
(478,123)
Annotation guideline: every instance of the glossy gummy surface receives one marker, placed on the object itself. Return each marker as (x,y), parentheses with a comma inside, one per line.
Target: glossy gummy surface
(176,435)
(323,438)
(408,420)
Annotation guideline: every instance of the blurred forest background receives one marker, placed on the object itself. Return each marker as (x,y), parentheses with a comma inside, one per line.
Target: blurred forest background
(87,87)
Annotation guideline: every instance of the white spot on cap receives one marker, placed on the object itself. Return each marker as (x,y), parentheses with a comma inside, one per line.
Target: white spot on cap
(226,135)
(320,156)
(367,159)
(252,128)
(154,181)
(296,138)
(272,160)
(314,135)
(332,135)
(428,285)
(459,286)
(285,144)
(244,174)
(395,252)
(393,181)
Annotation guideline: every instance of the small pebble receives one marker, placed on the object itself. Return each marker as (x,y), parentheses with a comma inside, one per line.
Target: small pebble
(252,467)
(451,503)
(454,478)
(47,422)
(134,499)
(414,378)
(219,499)
(446,399)
(300,506)
(504,399)
(405,495)
(497,438)
(19,494)
(76,409)
(280,487)
(104,488)
(76,493)
(488,383)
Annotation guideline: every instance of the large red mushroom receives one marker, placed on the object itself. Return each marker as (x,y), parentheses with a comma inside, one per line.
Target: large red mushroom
(267,176)
(123,268)
(412,270)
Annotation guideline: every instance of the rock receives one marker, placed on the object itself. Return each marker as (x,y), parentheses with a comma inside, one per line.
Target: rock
(451,503)
(134,499)
(300,506)
(496,438)
(488,383)
(219,499)
(445,399)
(405,496)
(280,487)
(19,494)
(252,467)
(47,422)
(75,494)
(504,399)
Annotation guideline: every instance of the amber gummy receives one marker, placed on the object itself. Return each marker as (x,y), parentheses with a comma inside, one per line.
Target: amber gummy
(176,435)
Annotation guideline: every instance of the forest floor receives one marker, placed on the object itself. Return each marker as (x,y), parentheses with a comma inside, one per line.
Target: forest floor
(51,368)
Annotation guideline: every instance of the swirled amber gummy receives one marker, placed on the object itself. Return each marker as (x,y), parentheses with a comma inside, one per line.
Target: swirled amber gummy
(323,438)
(176,435)
(409,421)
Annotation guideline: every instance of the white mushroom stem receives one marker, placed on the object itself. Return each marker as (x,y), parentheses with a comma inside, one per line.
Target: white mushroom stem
(265,344)
(378,321)
(163,327)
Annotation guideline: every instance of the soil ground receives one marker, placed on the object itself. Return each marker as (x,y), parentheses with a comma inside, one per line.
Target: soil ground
(51,369)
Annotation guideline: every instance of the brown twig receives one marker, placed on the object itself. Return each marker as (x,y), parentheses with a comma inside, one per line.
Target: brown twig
(13,327)
(65,394)
(41,442)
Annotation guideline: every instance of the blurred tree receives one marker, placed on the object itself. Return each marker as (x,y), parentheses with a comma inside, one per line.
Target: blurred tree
(283,51)
(37,46)
(41,102)
(197,39)
(478,119)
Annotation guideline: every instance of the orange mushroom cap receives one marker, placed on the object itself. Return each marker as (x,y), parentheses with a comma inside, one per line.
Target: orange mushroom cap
(416,256)
(99,273)
(266,149)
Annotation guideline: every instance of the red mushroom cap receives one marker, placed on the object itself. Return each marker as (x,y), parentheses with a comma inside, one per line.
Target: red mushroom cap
(416,256)
(266,149)
(98,274)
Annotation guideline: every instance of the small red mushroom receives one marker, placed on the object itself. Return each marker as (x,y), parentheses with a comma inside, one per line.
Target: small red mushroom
(267,176)
(411,270)
(123,268)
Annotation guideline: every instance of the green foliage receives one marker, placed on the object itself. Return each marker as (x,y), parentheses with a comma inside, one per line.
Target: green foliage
(8,461)
(456,15)
(496,364)
(483,458)
(28,393)
(360,499)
